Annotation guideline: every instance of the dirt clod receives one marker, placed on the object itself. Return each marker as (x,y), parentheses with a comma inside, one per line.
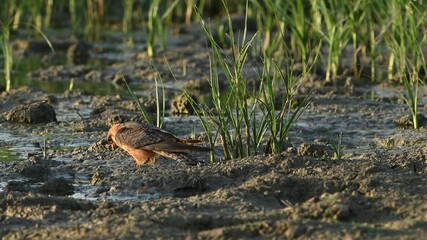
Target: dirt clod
(38,112)
(181,105)
(315,150)
(78,53)
(58,187)
(38,171)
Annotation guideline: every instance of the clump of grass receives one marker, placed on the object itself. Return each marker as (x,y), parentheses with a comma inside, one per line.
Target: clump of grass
(160,99)
(279,121)
(335,32)
(241,119)
(155,25)
(6,23)
(412,94)
(45,139)
(75,7)
(9,19)
(127,15)
(337,147)
(264,12)
(232,115)
(405,42)
(205,119)
(48,13)
(356,16)
(44,145)
(7,52)
(94,19)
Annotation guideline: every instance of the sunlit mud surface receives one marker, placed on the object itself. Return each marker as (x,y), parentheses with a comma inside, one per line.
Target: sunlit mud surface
(61,180)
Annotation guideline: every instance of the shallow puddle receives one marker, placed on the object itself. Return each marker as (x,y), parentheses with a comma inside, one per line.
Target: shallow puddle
(16,146)
(86,192)
(83,189)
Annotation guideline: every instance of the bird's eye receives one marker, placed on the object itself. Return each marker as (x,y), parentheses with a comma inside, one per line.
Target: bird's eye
(110,140)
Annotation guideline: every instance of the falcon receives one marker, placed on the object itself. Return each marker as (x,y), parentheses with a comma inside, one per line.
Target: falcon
(144,142)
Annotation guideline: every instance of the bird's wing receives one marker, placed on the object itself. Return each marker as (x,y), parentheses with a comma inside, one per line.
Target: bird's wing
(142,136)
(139,136)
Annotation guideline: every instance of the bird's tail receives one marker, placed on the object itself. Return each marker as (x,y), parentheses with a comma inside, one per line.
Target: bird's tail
(181,157)
(198,148)
(190,142)
(184,145)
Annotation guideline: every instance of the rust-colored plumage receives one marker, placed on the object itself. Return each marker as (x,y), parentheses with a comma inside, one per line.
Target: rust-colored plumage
(144,142)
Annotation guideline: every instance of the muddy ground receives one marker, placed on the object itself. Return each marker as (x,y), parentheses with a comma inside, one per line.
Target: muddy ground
(82,189)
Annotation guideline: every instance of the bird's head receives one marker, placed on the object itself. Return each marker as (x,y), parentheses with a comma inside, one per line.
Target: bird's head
(112,134)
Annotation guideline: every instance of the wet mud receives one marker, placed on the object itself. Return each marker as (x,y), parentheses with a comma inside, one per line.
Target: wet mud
(66,182)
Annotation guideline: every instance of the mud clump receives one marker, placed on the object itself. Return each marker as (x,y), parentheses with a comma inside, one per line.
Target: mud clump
(78,53)
(194,185)
(15,186)
(38,112)
(58,187)
(37,172)
(407,121)
(181,105)
(101,146)
(331,206)
(315,150)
